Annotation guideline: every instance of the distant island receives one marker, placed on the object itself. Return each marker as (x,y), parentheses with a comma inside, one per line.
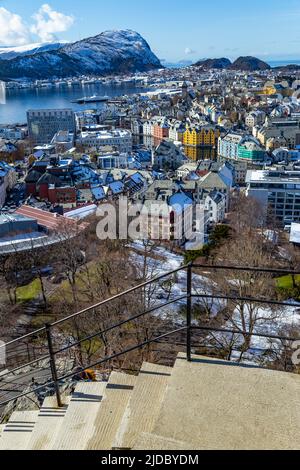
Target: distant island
(222,63)
(247,64)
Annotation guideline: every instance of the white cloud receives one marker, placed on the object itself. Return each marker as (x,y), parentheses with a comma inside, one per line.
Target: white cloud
(48,22)
(13,30)
(189,51)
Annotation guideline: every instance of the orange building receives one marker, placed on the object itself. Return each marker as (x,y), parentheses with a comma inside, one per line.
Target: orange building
(161,131)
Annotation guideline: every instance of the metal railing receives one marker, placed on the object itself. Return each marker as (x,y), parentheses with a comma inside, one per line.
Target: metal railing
(188,328)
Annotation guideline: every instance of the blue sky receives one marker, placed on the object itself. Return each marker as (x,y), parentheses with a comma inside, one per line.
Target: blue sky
(175,29)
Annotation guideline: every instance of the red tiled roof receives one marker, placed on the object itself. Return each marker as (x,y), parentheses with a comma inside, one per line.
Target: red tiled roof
(44,218)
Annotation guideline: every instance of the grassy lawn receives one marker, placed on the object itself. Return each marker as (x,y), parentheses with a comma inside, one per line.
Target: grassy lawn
(29,292)
(286,282)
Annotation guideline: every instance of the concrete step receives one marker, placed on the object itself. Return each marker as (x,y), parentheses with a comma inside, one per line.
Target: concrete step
(116,397)
(144,405)
(78,424)
(218,405)
(17,432)
(48,424)
(148,441)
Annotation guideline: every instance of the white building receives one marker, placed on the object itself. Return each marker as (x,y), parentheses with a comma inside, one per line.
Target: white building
(63,141)
(215,205)
(200,228)
(176,131)
(167,156)
(148,128)
(11,133)
(118,160)
(255,118)
(168,219)
(119,138)
(186,169)
(228,146)
(295,234)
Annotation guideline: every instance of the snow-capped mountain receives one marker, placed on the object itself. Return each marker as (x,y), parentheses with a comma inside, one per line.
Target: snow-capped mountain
(109,52)
(8,53)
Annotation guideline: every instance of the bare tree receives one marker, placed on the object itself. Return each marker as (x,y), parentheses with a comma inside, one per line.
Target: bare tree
(37,259)
(247,315)
(293,259)
(70,255)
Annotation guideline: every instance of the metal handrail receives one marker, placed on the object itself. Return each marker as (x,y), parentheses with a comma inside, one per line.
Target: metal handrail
(141,345)
(189,327)
(246,269)
(246,299)
(102,361)
(28,364)
(124,322)
(104,302)
(245,333)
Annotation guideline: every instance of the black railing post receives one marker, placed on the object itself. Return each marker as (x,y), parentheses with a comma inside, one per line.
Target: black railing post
(189,312)
(53,365)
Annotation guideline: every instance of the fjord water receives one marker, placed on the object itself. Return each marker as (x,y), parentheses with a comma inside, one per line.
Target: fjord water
(19,101)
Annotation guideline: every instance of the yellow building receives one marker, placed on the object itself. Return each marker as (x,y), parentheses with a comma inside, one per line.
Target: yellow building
(204,136)
(277,88)
(191,153)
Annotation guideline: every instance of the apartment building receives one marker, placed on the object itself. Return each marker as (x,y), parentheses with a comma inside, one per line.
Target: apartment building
(137,127)
(228,146)
(215,205)
(277,191)
(176,131)
(119,138)
(286,131)
(169,218)
(243,148)
(148,128)
(161,130)
(206,136)
(167,156)
(43,124)
(255,118)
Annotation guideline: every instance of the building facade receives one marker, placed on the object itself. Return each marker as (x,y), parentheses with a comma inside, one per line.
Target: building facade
(204,136)
(119,138)
(43,124)
(228,146)
(278,192)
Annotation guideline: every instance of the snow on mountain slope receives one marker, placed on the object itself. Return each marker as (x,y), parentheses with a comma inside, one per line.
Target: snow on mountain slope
(109,52)
(8,53)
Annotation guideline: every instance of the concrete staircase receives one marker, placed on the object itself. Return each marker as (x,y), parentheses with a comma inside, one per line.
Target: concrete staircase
(204,404)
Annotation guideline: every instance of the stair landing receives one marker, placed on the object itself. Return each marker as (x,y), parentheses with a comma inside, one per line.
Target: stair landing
(218,405)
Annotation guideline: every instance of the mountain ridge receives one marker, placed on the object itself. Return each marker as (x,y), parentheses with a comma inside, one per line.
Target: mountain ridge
(9,53)
(220,63)
(114,51)
(243,63)
(249,64)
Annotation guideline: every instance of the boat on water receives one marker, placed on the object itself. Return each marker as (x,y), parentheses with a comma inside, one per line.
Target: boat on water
(91,99)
